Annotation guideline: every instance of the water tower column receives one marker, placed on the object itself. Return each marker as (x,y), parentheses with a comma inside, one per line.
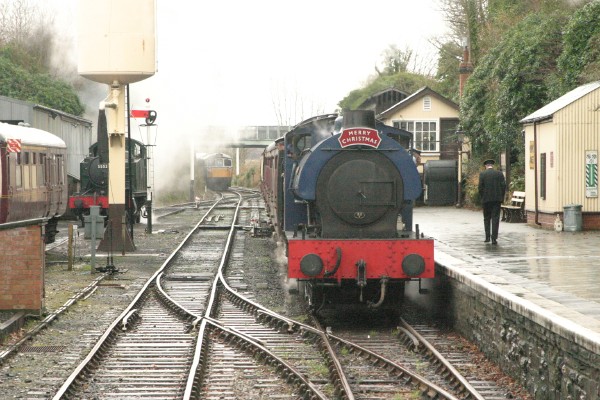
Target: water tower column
(116,235)
(117,46)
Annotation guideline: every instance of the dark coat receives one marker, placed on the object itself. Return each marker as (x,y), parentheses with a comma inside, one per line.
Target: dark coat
(492,186)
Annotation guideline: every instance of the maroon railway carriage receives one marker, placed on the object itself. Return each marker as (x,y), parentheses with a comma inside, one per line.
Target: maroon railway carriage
(32,176)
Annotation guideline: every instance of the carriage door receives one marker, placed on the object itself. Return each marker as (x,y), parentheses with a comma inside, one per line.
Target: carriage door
(43,182)
(50,179)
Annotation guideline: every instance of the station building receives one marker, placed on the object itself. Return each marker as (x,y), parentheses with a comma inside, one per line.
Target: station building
(433,120)
(561,152)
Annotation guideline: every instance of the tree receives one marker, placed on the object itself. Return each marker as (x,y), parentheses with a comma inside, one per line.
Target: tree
(291,106)
(395,60)
(397,73)
(26,43)
(19,83)
(406,82)
(449,58)
(580,60)
(510,81)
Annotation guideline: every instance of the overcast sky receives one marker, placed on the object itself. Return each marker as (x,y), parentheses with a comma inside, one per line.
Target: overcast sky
(230,60)
(227,62)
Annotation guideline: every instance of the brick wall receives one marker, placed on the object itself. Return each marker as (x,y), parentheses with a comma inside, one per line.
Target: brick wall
(590,221)
(22,261)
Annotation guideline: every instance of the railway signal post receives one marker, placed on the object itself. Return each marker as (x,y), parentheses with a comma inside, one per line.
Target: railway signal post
(150,119)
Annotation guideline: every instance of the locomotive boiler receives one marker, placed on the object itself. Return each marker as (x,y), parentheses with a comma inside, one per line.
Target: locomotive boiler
(334,188)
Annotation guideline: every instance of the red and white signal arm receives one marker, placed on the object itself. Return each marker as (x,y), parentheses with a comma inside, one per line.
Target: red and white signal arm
(139,113)
(13,145)
(148,115)
(360,137)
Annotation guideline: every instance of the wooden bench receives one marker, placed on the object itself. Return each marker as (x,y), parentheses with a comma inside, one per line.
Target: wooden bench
(515,211)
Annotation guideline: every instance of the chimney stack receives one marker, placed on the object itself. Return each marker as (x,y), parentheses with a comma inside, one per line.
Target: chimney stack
(464,69)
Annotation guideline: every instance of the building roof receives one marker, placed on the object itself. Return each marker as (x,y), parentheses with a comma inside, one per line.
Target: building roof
(549,109)
(425,90)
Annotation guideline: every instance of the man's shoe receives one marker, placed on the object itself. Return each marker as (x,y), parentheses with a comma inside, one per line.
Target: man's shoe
(487,239)
(494,241)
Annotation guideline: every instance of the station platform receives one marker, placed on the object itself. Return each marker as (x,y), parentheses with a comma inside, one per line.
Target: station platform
(551,277)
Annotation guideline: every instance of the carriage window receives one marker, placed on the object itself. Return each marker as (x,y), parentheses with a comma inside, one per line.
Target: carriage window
(26,170)
(18,173)
(42,170)
(26,176)
(34,175)
(61,169)
(34,171)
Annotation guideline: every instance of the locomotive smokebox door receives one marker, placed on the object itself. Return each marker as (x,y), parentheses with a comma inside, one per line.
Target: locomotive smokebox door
(359,118)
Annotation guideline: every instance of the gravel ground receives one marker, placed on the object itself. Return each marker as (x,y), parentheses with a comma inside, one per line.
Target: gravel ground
(48,359)
(39,372)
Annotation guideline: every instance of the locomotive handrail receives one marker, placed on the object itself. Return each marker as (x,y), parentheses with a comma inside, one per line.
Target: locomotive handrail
(337,263)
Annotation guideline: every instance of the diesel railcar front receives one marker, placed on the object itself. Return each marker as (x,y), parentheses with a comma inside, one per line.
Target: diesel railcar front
(217,171)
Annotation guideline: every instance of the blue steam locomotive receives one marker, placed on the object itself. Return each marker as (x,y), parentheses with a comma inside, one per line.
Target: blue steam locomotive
(335,188)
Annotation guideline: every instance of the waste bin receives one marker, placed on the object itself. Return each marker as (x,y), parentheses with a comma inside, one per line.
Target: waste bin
(572,218)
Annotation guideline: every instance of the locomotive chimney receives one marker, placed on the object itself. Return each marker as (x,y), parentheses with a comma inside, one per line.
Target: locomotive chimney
(102,137)
(359,118)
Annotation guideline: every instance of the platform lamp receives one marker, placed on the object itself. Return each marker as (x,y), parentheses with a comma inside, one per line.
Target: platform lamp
(460,139)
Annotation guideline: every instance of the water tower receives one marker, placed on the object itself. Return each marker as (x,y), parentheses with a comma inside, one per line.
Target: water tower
(116,41)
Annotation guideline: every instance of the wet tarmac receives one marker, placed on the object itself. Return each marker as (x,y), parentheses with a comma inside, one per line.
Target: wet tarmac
(554,275)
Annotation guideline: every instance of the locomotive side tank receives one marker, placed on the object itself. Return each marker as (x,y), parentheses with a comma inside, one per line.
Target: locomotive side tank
(345,182)
(32,176)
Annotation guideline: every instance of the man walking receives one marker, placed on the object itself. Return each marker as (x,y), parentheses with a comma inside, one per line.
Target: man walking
(492,187)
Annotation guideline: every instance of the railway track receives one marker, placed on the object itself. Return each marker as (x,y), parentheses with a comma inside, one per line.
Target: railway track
(147,350)
(196,331)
